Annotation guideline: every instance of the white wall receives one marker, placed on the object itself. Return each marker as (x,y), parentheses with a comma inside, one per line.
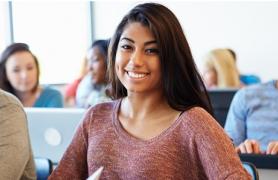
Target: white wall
(5,37)
(250,28)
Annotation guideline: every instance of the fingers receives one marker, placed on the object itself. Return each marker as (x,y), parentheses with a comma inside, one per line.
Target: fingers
(242,148)
(272,148)
(256,147)
(249,146)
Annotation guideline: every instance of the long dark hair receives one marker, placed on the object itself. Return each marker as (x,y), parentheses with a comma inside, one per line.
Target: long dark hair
(10,50)
(182,84)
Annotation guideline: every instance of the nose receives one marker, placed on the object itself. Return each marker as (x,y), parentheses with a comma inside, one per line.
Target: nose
(137,58)
(24,74)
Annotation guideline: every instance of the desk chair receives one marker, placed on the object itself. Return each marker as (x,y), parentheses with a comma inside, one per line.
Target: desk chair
(251,169)
(44,168)
(220,101)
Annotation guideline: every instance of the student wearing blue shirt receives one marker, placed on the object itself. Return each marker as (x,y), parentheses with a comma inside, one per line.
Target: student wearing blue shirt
(19,75)
(252,120)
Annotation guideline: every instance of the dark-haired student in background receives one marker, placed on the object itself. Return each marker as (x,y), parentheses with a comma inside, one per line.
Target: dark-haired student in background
(19,75)
(252,120)
(159,126)
(92,88)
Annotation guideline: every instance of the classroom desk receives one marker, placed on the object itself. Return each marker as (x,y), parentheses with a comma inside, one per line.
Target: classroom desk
(268,174)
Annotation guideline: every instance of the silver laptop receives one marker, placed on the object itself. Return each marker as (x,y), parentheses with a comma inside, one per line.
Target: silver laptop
(51,130)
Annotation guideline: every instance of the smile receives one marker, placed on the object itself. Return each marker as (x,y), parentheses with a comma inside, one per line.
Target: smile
(136,75)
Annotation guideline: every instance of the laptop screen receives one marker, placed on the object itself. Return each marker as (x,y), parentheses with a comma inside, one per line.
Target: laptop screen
(51,130)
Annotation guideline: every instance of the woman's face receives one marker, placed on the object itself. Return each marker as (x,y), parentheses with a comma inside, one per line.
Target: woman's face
(21,71)
(210,78)
(96,63)
(137,62)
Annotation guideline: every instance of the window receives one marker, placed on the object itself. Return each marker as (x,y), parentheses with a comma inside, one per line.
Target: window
(58,33)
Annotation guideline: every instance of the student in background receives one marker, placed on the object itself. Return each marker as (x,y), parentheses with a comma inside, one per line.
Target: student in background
(244,78)
(252,120)
(159,126)
(19,75)
(220,70)
(16,157)
(92,88)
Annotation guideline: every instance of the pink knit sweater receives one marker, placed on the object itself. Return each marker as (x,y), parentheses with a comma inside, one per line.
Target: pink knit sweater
(194,147)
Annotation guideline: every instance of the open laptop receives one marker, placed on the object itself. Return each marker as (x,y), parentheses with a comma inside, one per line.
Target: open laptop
(51,130)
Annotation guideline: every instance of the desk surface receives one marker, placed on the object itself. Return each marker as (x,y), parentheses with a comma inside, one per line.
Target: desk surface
(268,174)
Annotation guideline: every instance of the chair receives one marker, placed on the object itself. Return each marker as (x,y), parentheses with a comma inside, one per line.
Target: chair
(44,168)
(251,169)
(220,101)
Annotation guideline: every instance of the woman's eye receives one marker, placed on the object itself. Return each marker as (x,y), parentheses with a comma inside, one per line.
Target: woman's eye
(30,68)
(126,47)
(152,51)
(94,60)
(16,70)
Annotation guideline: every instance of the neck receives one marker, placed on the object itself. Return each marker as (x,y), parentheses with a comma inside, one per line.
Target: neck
(27,98)
(136,106)
(23,96)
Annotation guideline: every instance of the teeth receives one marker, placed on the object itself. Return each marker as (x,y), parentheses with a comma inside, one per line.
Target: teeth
(135,75)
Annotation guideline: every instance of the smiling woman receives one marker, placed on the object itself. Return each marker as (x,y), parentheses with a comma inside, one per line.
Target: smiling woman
(137,60)
(160,114)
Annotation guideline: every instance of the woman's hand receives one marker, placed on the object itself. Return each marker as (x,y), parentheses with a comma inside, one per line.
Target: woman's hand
(250,146)
(272,148)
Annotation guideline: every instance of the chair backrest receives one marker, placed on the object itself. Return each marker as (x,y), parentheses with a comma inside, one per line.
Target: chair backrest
(220,101)
(251,169)
(44,168)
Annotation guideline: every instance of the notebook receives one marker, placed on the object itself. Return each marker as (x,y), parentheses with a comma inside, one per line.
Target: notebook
(51,130)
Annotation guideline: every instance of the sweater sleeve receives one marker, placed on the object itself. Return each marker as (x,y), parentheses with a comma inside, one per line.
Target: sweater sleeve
(216,152)
(14,141)
(73,164)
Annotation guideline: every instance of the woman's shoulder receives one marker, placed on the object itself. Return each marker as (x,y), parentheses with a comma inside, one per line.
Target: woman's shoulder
(7,98)
(196,112)
(50,89)
(198,118)
(49,97)
(100,114)
(50,92)
(104,107)
(198,123)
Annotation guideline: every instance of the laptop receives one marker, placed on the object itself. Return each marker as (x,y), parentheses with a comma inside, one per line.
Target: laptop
(51,130)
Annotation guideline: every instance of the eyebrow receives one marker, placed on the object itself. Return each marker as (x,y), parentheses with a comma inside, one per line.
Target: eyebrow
(146,43)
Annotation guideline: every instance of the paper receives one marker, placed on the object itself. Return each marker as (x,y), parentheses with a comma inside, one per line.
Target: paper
(96,174)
